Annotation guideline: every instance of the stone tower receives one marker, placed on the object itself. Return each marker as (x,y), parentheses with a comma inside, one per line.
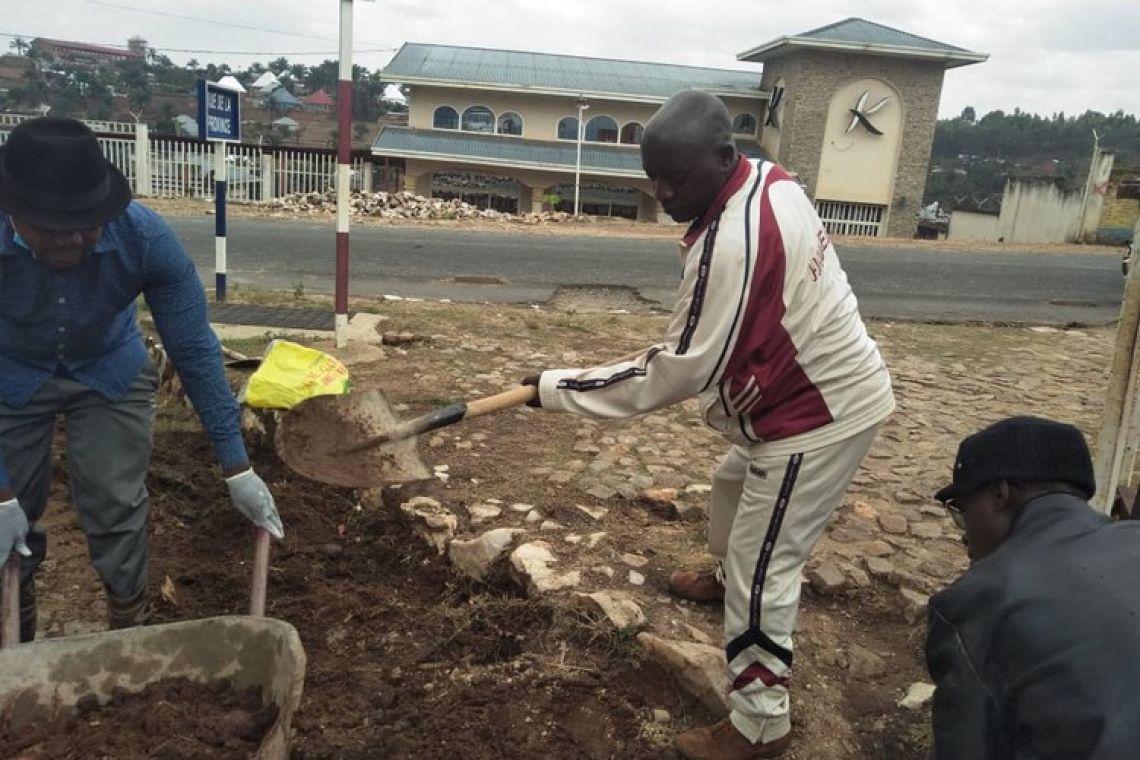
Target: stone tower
(852,113)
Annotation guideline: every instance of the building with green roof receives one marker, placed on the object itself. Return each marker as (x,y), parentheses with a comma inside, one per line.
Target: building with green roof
(514,116)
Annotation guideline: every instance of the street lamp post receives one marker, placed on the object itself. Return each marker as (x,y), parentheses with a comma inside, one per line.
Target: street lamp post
(583,106)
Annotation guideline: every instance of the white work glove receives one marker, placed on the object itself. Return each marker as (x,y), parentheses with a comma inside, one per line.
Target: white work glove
(13,530)
(251,497)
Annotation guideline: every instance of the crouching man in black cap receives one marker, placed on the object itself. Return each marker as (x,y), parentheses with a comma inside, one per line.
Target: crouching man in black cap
(75,254)
(1035,651)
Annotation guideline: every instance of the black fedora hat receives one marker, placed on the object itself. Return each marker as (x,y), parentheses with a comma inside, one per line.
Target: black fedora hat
(53,175)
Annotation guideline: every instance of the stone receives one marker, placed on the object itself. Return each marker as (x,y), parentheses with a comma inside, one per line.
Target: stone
(877,549)
(696,634)
(892,523)
(594,539)
(602,492)
(436,441)
(865,664)
(586,447)
(465,445)
(913,604)
(475,557)
(660,496)
(690,513)
(603,570)
(702,489)
(917,696)
(618,607)
(662,717)
(865,511)
(827,579)
(595,513)
(634,560)
(926,530)
(636,578)
(481,513)
(530,567)
(858,576)
(533,516)
(434,523)
(522,508)
(908,497)
(572,538)
(699,668)
(880,568)
(551,525)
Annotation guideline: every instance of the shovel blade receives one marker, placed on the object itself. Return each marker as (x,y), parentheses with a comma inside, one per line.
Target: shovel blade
(313,436)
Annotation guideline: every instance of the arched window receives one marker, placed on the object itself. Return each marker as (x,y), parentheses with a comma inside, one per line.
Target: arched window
(744,124)
(601,129)
(631,133)
(568,128)
(445,117)
(510,123)
(478,119)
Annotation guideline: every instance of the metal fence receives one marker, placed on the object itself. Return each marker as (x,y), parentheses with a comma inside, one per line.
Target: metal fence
(858,219)
(183,168)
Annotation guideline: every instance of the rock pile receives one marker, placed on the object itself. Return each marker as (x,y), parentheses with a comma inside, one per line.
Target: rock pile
(406,205)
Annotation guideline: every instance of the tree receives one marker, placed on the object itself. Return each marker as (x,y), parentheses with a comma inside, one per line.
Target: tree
(279,66)
(968,115)
(20,45)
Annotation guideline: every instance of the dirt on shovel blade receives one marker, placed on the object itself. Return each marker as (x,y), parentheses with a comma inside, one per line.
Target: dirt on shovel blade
(314,439)
(173,719)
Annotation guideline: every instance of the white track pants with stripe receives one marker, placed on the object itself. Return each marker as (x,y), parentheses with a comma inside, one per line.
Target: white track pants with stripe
(767,514)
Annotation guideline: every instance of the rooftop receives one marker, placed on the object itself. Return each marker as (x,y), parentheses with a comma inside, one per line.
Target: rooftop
(549,74)
(83,47)
(856,35)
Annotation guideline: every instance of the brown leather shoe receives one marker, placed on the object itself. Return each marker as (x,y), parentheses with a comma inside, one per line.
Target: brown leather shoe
(697,585)
(721,741)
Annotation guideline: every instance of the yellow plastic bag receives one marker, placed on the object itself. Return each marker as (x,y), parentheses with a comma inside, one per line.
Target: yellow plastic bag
(290,373)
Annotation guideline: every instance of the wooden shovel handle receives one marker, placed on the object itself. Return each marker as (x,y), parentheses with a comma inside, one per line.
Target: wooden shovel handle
(500,401)
(260,573)
(10,603)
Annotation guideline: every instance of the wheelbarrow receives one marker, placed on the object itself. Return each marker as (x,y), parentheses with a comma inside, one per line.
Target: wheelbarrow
(41,680)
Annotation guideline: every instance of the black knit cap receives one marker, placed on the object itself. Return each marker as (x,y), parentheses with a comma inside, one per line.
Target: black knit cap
(1022,449)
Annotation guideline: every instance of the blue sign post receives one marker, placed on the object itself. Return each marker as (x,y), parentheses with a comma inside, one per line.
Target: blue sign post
(219,122)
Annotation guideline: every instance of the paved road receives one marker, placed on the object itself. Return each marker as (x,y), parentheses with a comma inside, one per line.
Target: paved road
(422,262)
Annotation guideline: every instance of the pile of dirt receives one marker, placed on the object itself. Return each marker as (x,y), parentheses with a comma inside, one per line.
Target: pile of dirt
(173,719)
(404,659)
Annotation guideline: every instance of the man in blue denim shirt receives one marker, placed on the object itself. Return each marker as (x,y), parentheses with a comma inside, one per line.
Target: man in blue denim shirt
(75,254)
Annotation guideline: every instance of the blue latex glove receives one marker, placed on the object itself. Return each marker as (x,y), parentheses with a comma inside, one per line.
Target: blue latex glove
(13,530)
(251,497)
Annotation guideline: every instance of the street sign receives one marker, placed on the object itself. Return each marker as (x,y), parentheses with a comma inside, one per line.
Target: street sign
(219,113)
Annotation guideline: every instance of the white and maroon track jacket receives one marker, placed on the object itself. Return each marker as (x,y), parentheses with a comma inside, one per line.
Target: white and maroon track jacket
(766,330)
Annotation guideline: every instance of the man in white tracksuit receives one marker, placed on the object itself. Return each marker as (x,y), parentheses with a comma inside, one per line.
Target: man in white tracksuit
(767,334)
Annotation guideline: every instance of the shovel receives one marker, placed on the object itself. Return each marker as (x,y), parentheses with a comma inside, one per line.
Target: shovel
(356,441)
(311,439)
(10,603)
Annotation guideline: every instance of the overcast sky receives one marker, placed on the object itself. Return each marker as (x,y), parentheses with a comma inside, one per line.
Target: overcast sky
(1045,55)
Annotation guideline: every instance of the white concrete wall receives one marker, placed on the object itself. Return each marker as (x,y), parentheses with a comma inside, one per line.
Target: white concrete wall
(971,226)
(1036,212)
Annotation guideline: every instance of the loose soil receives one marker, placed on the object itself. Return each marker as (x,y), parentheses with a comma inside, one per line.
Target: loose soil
(406,659)
(175,719)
